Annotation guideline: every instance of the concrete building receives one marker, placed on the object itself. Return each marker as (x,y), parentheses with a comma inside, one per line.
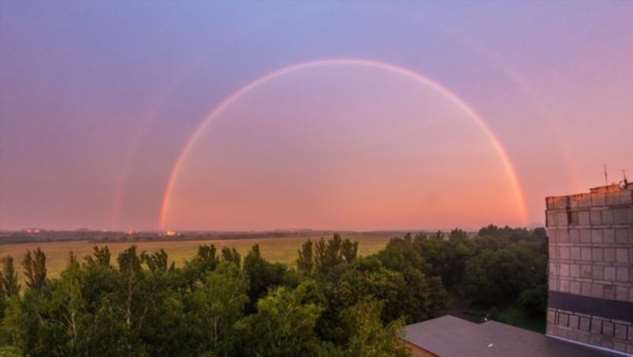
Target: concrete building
(590,302)
(591,267)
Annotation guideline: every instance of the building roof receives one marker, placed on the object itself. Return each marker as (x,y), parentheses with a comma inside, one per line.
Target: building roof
(451,336)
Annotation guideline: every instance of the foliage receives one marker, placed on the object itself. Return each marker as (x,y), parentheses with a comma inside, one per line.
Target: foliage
(457,235)
(369,337)
(214,307)
(335,303)
(284,324)
(34,265)
(499,276)
(305,261)
(261,275)
(9,351)
(329,254)
(445,258)
(9,278)
(534,301)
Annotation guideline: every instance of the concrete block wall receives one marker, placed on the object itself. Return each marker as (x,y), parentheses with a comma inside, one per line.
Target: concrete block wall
(594,330)
(591,267)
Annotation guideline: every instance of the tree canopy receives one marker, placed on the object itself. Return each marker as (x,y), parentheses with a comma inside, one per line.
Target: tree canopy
(332,303)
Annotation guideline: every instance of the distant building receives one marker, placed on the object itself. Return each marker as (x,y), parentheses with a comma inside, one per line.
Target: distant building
(591,267)
(450,336)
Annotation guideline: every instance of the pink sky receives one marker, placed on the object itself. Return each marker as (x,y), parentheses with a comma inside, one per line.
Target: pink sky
(350,147)
(99,100)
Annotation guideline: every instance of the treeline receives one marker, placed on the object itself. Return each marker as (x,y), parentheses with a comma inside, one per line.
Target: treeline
(100,237)
(496,268)
(334,303)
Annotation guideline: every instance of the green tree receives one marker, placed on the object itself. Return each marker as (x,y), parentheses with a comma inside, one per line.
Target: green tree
(10,284)
(457,235)
(9,351)
(369,338)
(534,301)
(206,260)
(216,305)
(261,275)
(406,293)
(34,265)
(158,261)
(30,324)
(345,306)
(69,307)
(423,296)
(283,325)
(231,255)
(130,302)
(331,253)
(499,276)
(305,261)
(349,251)
(100,257)
(446,259)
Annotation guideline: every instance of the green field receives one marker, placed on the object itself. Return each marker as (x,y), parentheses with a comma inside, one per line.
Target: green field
(282,250)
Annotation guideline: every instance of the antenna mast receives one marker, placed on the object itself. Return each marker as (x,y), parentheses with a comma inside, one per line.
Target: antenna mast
(606,176)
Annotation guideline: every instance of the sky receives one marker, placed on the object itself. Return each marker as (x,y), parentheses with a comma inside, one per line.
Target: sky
(235,115)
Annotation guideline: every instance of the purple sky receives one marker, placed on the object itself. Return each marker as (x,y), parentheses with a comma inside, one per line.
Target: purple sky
(98,99)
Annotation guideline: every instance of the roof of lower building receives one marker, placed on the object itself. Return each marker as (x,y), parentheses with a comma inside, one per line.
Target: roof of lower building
(449,336)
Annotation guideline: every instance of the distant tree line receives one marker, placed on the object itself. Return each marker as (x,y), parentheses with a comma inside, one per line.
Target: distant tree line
(334,303)
(496,268)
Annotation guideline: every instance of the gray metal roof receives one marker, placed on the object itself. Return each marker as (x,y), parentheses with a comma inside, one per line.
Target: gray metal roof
(449,336)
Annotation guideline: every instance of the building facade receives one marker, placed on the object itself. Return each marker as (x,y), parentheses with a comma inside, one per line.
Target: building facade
(591,267)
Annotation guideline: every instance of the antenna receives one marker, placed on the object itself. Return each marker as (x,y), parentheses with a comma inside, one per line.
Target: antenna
(626,180)
(606,176)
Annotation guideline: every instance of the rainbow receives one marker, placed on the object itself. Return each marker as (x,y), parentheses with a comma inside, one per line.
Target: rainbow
(228,101)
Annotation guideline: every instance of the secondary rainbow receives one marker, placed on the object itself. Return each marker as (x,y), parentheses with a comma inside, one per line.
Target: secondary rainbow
(228,101)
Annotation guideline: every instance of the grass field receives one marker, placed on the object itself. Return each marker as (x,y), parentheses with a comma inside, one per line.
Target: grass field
(283,250)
